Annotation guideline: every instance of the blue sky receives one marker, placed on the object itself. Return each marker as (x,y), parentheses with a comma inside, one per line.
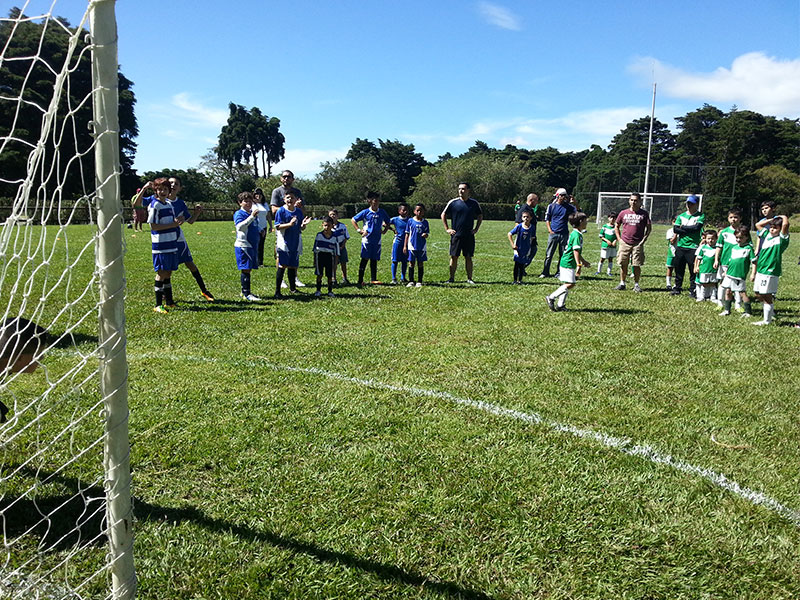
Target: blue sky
(441,74)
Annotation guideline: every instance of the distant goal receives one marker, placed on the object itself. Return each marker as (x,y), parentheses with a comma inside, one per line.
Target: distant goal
(663,208)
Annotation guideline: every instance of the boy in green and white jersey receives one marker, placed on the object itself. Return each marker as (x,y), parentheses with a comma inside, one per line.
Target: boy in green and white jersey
(726,241)
(768,267)
(741,260)
(608,243)
(569,262)
(704,266)
(672,239)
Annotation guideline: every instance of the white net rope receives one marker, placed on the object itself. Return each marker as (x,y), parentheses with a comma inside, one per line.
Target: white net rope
(52,478)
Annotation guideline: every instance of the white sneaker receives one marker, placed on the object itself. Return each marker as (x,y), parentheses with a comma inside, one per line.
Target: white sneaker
(252,298)
(636,288)
(724,313)
(419,284)
(745,315)
(761,323)
(410,284)
(470,282)
(299,283)
(284,285)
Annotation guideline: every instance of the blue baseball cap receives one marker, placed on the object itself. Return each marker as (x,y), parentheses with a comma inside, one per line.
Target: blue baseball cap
(692,199)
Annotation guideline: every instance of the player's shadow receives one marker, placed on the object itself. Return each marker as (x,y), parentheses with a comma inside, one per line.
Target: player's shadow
(224,306)
(611,311)
(71,521)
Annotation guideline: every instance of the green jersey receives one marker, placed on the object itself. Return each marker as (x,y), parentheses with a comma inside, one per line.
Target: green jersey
(575,242)
(706,254)
(607,234)
(726,241)
(740,259)
(770,254)
(690,240)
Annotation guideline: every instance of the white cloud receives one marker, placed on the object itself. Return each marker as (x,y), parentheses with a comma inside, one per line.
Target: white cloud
(194,112)
(499,16)
(304,162)
(754,81)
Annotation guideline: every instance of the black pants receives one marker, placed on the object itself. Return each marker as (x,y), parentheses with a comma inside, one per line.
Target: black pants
(684,257)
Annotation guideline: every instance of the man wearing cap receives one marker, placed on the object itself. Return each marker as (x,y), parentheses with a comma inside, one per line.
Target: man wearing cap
(276,201)
(689,229)
(558,227)
(632,227)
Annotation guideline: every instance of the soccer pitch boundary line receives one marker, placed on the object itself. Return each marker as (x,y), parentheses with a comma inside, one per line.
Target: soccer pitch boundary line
(624,445)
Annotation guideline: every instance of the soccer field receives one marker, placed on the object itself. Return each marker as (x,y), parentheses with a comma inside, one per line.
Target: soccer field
(459,441)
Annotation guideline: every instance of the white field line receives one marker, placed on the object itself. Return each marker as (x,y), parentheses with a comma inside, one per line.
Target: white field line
(623,445)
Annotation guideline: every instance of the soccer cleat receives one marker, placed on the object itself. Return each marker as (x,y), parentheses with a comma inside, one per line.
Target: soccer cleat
(251,297)
(724,313)
(561,308)
(608,273)
(331,295)
(637,288)
(745,315)
(284,285)
(761,323)
(597,272)
(470,282)
(375,282)
(317,294)
(668,288)
(410,284)
(162,310)
(621,286)
(551,304)
(418,284)
(543,275)
(345,281)
(172,306)
(278,296)
(394,282)
(299,283)
(207,296)
(675,292)
(449,281)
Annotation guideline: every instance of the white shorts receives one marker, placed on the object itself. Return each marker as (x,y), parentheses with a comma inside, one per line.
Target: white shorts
(734,284)
(706,278)
(765,284)
(609,252)
(566,275)
(721,272)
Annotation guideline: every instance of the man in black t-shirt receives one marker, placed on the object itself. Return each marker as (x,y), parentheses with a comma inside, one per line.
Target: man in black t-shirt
(463,211)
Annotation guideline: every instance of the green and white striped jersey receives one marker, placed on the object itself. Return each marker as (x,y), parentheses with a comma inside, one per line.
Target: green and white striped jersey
(575,242)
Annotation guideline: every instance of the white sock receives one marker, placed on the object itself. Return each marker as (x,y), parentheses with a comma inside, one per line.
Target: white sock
(769,312)
(738,299)
(600,266)
(669,280)
(561,290)
(563,298)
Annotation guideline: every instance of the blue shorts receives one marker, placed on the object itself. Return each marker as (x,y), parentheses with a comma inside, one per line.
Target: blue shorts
(417,256)
(288,259)
(397,252)
(343,255)
(166,261)
(371,250)
(246,258)
(184,255)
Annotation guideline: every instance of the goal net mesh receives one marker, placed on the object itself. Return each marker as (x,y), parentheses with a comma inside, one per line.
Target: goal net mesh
(663,208)
(54,468)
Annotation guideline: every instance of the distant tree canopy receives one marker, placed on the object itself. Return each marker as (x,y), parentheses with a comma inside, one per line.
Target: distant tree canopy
(251,135)
(401,160)
(39,51)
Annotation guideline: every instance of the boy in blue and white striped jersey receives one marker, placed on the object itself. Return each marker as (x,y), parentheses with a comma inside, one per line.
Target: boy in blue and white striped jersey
(326,255)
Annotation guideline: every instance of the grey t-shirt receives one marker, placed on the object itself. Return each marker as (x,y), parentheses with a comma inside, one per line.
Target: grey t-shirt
(278,193)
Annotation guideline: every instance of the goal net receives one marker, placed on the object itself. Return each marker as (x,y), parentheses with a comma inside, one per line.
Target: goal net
(65,506)
(663,208)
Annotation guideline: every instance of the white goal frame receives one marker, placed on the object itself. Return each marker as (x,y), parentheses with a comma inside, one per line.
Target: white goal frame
(667,205)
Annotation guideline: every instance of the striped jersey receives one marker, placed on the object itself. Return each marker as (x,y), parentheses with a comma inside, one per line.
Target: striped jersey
(415,229)
(691,240)
(162,213)
(726,241)
(180,208)
(326,245)
(607,234)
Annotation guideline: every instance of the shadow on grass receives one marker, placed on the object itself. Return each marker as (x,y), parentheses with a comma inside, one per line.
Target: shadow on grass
(71,521)
(610,311)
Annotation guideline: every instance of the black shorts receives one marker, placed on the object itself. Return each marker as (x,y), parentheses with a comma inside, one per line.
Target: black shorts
(462,244)
(324,264)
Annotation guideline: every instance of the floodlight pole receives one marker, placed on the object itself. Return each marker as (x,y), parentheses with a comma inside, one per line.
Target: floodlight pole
(649,147)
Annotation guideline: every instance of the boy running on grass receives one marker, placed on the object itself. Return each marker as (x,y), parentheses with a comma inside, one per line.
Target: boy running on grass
(416,244)
(768,266)
(704,266)
(248,237)
(523,246)
(326,254)
(608,244)
(376,223)
(742,260)
(342,235)
(569,263)
(725,242)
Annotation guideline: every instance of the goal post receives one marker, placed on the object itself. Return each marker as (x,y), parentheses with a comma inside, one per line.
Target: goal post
(663,208)
(66,515)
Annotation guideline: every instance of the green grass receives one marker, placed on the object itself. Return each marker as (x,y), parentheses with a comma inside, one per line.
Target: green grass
(253,480)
